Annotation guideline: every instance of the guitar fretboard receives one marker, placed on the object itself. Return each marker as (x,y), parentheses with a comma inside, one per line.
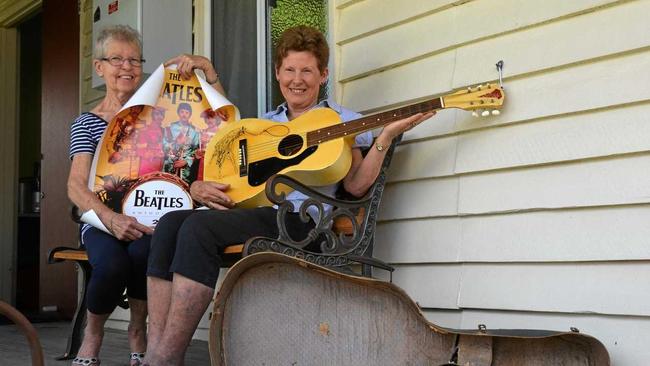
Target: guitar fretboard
(367,123)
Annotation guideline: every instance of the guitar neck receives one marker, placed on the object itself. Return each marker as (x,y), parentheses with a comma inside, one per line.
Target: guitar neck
(371,122)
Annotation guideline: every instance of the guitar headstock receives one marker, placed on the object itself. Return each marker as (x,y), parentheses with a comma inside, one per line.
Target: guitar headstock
(480,100)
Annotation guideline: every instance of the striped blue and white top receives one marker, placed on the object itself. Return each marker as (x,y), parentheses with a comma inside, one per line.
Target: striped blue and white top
(85,133)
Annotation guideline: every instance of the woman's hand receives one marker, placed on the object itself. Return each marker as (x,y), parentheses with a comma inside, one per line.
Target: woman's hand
(126,228)
(186,64)
(211,194)
(396,128)
(364,170)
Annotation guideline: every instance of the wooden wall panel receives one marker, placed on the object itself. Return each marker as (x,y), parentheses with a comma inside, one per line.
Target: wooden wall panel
(425,159)
(529,97)
(581,184)
(601,84)
(450,29)
(537,214)
(598,234)
(422,198)
(565,138)
(601,33)
(341,4)
(430,286)
(419,241)
(355,23)
(617,288)
(607,132)
(586,111)
(60,105)
(603,288)
(595,234)
(474,63)
(8,159)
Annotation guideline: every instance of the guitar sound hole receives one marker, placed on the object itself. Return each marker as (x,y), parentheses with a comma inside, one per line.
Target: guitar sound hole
(290,145)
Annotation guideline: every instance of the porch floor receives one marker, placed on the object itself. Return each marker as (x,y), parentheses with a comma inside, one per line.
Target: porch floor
(14,349)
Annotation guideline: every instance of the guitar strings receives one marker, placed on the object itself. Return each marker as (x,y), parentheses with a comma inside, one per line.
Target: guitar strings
(269,148)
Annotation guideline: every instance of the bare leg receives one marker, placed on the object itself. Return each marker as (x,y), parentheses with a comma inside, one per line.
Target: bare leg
(137,326)
(159,294)
(189,301)
(93,335)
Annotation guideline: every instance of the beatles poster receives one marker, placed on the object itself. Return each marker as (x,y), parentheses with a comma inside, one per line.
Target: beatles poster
(154,148)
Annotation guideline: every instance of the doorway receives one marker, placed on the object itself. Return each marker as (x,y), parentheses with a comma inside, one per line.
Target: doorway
(29,160)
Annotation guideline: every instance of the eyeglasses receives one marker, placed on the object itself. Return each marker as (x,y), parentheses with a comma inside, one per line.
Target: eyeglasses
(119,61)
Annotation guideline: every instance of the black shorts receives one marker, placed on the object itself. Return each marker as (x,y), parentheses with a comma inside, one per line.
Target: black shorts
(190,242)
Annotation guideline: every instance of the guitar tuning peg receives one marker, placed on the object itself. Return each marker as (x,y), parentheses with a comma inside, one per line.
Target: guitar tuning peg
(496,112)
(485,113)
(475,113)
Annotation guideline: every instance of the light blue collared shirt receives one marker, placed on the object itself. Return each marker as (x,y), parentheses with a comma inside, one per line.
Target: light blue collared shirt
(361,140)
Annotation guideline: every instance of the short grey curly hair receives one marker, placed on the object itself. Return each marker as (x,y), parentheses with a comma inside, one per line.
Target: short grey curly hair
(122,33)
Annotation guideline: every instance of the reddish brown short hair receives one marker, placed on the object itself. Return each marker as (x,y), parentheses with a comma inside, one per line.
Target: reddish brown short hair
(303,38)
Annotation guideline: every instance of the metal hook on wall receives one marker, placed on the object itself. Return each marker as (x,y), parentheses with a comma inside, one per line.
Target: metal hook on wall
(500,70)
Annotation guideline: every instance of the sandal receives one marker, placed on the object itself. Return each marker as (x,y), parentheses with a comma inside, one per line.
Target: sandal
(138,357)
(86,361)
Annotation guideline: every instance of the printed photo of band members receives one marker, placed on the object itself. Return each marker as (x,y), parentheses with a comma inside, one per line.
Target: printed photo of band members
(163,142)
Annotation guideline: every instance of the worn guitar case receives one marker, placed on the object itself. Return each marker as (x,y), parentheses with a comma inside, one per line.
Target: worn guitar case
(277,310)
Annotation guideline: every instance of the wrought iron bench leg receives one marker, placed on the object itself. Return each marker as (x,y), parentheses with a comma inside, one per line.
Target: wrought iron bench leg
(79,319)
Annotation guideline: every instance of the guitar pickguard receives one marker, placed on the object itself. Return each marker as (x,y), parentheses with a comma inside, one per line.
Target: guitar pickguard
(260,171)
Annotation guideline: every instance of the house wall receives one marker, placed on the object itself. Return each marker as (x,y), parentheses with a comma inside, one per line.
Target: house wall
(536,218)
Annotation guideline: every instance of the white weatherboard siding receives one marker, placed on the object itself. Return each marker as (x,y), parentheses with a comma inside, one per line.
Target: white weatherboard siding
(615,233)
(537,218)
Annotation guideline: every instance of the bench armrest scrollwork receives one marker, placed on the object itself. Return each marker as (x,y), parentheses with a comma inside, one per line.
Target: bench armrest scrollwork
(326,244)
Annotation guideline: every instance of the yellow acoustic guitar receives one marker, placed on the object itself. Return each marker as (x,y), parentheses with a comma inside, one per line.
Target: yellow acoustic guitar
(314,148)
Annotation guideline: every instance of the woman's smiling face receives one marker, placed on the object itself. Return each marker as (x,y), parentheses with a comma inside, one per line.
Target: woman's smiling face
(300,79)
(124,78)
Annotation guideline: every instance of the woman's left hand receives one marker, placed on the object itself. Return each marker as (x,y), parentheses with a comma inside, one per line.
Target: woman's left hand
(186,64)
(127,228)
(396,128)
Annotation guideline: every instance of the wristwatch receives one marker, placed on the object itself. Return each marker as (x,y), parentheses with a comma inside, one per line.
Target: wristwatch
(379,146)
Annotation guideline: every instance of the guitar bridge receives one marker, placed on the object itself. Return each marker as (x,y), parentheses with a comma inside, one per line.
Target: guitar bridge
(243,158)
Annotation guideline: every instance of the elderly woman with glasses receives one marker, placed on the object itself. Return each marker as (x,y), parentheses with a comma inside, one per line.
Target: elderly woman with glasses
(118,261)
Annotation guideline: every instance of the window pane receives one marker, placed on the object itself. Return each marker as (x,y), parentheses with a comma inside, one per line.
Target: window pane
(234,51)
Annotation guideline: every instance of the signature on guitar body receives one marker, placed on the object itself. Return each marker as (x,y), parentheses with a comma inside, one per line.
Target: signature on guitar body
(314,148)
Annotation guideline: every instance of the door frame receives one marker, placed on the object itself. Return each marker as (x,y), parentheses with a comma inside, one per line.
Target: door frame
(12,13)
